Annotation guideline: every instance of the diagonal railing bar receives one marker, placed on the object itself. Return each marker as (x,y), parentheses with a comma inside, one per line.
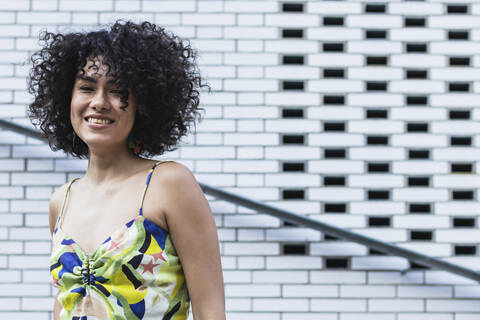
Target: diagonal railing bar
(329,229)
(21,129)
(292,217)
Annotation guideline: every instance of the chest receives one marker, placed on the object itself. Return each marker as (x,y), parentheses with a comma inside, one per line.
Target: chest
(110,206)
(89,218)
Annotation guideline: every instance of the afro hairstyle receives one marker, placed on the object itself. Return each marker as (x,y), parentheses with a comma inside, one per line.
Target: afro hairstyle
(157,67)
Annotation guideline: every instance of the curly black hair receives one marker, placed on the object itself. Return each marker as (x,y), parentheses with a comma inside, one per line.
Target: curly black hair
(158,67)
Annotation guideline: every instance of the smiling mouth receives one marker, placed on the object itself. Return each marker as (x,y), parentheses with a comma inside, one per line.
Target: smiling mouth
(99,121)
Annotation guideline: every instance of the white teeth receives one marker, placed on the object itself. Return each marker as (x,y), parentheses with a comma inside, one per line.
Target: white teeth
(102,121)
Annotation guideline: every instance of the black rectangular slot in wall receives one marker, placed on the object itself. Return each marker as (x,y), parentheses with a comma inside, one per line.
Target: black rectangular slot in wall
(378,194)
(336,263)
(379,222)
(334,207)
(416,100)
(377,60)
(334,153)
(378,167)
(461,141)
(292,7)
(461,167)
(414,22)
(460,222)
(334,181)
(293,85)
(292,113)
(377,140)
(419,208)
(459,61)
(415,47)
(334,126)
(376,86)
(457,9)
(417,127)
(328,99)
(459,87)
(377,114)
(293,194)
(294,59)
(293,167)
(333,47)
(465,250)
(419,154)
(333,21)
(293,139)
(458,35)
(292,33)
(333,73)
(294,249)
(418,181)
(374,8)
(421,235)
(416,74)
(375,34)
(459,114)
(462,195)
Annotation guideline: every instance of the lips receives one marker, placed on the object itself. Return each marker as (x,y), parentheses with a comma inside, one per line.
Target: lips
(98,120)
(98,124)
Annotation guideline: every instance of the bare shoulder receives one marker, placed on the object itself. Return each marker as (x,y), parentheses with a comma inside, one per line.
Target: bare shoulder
(175,180)
(173,172)
(55,204)
(178,188)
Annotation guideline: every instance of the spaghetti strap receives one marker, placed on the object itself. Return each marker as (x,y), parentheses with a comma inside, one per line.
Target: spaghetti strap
(146,185)
(60,216)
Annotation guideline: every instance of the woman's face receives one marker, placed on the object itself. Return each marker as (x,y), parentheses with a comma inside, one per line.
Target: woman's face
(96,113)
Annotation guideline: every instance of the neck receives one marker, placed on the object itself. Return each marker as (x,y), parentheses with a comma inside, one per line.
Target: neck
(106,165)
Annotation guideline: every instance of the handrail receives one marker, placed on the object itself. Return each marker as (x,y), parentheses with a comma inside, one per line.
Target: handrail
(329,229)
(292,217)
(21,129)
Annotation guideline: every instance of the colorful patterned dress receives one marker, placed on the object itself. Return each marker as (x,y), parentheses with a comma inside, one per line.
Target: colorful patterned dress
(134,274)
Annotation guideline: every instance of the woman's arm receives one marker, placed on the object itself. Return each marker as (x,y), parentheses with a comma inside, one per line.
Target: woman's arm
(54,210)
(194,235)
(56,307)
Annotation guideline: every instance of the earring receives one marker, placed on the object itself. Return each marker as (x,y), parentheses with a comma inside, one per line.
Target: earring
(73,140)
(138,146)
(134,144)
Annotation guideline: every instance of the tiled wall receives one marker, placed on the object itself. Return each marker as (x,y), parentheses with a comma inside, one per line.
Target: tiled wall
(361,114)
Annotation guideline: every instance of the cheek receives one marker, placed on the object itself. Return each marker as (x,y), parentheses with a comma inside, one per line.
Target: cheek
(76,106)
(74,103)
(72,108)
(132,110)
(131,120)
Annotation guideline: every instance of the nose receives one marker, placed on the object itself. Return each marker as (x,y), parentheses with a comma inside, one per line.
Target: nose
(99,101)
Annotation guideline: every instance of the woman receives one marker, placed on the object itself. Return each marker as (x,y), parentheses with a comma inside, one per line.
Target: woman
(118,251)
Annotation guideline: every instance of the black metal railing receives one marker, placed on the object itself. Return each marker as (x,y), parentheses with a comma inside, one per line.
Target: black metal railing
(292,217)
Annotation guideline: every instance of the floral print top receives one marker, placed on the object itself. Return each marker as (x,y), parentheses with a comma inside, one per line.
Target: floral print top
(134,274)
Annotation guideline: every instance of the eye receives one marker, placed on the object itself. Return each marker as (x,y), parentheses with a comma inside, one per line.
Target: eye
(116,91)
(86,88)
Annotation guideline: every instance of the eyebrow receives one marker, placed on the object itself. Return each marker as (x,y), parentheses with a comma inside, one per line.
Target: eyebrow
(90,79)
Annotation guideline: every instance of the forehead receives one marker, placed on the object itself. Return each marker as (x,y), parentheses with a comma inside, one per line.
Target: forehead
(95,68)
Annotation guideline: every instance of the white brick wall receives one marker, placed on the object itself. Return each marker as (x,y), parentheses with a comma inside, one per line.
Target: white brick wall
(242,146)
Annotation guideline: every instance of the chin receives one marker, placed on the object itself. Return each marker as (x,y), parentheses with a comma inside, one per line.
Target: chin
(100,143)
